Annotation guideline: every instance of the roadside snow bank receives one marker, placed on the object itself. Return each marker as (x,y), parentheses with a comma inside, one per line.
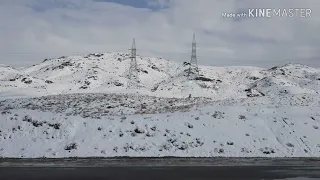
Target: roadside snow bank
(207,131)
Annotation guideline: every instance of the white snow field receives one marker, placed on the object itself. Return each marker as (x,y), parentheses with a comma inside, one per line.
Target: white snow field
(80,106)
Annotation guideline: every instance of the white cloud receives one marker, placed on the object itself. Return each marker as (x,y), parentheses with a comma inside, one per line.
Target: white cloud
(31,30)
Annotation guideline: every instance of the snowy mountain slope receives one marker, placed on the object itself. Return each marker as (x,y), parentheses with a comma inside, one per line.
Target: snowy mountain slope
(202,131)
(81,106)
(215,82)
(13,81)
(92,73)
(289,79)
(97,105)
(108,72)
(7,73)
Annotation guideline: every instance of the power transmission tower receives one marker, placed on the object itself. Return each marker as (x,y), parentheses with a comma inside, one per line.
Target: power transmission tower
(193,67)
(133,70)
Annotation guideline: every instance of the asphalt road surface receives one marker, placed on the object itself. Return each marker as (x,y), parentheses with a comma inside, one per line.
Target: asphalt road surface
(160,169)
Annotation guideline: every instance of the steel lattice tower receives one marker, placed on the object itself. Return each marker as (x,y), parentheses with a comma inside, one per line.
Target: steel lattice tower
(193,67)
(133,70)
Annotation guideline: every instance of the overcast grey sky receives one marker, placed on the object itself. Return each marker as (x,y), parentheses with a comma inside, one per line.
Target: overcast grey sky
(32,30)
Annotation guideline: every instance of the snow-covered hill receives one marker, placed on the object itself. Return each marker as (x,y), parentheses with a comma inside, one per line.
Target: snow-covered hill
(108,72)
(81,106)
(89,73)
(7,73)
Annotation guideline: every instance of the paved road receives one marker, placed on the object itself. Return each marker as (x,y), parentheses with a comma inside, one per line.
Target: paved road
(154,169)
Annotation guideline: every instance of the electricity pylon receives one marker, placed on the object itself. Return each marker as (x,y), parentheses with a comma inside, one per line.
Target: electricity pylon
(133,70)
(193,67)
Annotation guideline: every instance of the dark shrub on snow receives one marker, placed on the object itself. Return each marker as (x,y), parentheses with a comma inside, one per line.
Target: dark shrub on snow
(55,126)
(138,130)
(203,79)
(48,82)
(71,146)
